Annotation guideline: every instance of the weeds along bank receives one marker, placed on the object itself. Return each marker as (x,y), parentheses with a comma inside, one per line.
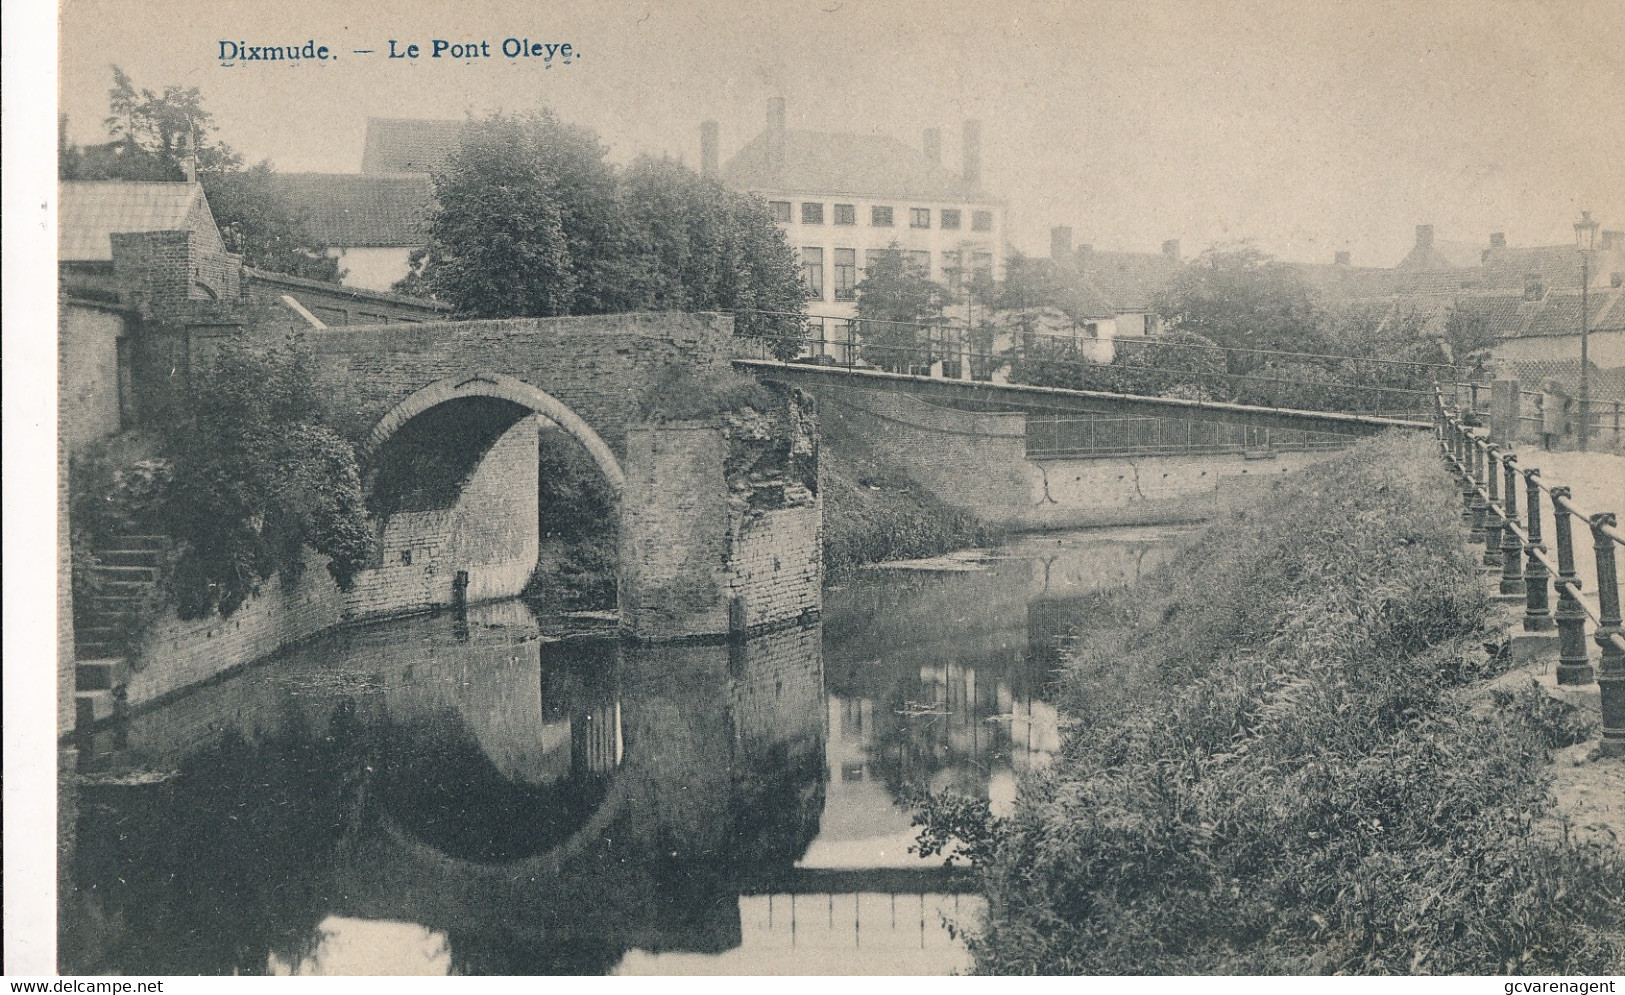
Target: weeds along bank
(1283,764)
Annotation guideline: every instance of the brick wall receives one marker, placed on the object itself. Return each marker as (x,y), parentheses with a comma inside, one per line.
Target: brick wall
(977,462)
(337,305)
(599,366)
(690,565)
(491,532)
(155,270)
(88,384)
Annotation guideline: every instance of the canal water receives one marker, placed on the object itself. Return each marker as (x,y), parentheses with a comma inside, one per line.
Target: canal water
(500,793)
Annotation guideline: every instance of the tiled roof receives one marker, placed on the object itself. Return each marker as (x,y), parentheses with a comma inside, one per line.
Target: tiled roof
(1441,255)
(857,165)
(346,210)
(1127,279)
(91,210)
(408,145)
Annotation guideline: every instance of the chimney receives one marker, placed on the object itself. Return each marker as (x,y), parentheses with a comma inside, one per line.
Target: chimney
(933,144)
(1170,249)
(1498,239)
(973,151)
(1340,259)
(1424,236)
(188,158)
(709,130)
(1611,239)
(1533,288)
(1060,243)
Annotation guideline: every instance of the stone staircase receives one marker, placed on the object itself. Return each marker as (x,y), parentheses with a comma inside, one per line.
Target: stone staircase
(126,573)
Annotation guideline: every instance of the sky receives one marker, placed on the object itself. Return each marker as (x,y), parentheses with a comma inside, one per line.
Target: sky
(1307,127)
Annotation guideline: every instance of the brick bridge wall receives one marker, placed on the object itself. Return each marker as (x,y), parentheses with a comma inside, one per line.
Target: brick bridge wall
(599,366)
(978,462)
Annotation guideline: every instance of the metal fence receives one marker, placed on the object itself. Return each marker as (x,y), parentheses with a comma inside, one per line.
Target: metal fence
(1081,436)
(1514,542)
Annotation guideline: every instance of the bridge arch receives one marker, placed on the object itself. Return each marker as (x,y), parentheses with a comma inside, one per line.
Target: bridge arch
(506,388)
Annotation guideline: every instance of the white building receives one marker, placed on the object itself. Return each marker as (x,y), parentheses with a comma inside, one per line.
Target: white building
(842,198)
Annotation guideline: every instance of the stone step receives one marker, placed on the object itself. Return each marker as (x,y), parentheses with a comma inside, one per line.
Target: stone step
(91,707)
(129,557)
(95,631)
(102,674)
(134,572)
(95,649)
(123,589)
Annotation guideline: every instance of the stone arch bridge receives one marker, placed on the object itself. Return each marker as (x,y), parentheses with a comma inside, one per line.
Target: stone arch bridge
(449,414)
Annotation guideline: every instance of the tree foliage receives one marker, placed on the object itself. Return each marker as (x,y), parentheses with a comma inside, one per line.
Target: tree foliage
(1239,297)
(151,136)
(532,220)
(895,303)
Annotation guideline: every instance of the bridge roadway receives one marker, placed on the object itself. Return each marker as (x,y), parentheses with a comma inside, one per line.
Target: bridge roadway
(1065,400)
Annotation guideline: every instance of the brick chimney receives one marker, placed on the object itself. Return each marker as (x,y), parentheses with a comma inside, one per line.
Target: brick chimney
(1424,236)
(709,132)
(1085,254)
(1340,259)
(1170,248)
(933,144)
(1498,239)
(973,151)
(1060,243)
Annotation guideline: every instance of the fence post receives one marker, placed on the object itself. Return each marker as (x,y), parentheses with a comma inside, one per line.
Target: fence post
(1493,520)
(1511,548)
(1537,616)
(1476,534)
(1611,668)
(1573,660)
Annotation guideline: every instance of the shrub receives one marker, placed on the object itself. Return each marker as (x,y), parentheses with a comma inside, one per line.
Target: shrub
(1278,782)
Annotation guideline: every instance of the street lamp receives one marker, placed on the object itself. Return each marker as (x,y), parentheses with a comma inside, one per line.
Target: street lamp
(1585,236)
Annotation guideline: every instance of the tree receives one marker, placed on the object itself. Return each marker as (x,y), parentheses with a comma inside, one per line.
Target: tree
(1239,297)
(894,302)
(154,134)
(531,220)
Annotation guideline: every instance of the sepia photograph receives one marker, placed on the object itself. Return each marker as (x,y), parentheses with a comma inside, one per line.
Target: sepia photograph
(816,487)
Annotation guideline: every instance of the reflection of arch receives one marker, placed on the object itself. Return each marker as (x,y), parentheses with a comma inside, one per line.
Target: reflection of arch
(506,388)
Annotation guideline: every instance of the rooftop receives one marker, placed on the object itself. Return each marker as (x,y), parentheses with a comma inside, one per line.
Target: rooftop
(91,210)
(1127,279)
(874,166)
(397,145)
(357,211)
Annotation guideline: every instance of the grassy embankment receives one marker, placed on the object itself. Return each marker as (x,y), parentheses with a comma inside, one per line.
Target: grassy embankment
(1286,762)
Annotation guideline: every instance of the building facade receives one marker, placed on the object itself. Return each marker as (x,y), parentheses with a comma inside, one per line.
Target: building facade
(842,199)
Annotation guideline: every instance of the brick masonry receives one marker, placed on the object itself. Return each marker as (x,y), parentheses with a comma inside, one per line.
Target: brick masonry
(600,366)
(691,565)
(978,462)
(491,532)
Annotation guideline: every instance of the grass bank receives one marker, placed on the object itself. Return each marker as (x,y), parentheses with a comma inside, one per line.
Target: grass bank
(1286,763)
(873,513)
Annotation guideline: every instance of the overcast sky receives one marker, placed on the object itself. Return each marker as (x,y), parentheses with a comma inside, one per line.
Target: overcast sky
(1309,127)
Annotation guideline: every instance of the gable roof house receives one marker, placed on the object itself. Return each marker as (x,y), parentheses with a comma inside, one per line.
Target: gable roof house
(841,198)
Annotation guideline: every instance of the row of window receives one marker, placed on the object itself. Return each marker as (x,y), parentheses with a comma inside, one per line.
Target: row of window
(949,218)
(917,261)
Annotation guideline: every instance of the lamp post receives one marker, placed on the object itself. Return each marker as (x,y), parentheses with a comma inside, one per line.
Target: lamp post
(1585,236)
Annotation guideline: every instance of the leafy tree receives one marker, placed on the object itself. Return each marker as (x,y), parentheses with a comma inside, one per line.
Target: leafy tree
(532,220)
(153,133)
(895,302)
(1239,297)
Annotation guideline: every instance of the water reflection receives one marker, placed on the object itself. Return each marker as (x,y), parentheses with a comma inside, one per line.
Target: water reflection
(477,795)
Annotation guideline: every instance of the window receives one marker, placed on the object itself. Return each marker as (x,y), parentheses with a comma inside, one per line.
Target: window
(951,266)
(917,262)
(880,217)
(981,220)
(812,269)
(846,214)
(812,214)
(846,274)
(780,210)
(919,217)
(950,218)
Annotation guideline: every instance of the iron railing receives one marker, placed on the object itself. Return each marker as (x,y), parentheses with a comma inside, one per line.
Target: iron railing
(1072,436)
(1515,544)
